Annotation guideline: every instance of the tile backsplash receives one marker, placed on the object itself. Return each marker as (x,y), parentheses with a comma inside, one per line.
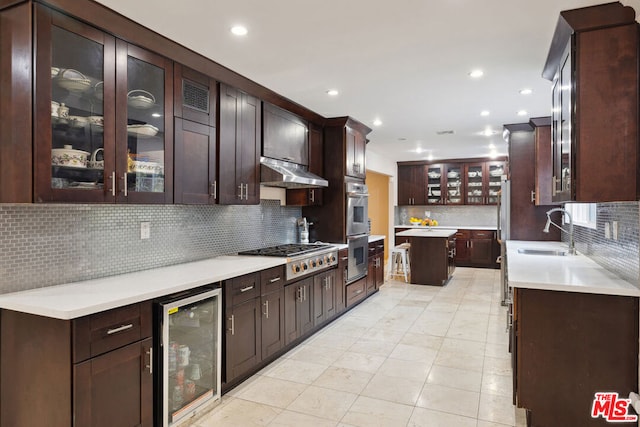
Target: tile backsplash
(450,215)
(621,256)
(48,244)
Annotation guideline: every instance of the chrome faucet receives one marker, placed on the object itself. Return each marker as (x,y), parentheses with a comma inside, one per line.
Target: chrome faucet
(572,245)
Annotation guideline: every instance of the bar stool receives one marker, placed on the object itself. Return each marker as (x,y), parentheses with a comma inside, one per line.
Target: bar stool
(399,258)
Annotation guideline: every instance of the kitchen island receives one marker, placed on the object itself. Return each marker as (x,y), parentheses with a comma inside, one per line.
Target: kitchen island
(574,333)
(431,255)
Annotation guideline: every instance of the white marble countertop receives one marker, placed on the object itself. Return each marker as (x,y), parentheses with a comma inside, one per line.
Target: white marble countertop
(77,299)
(571,273)
(450,227)
(425,232)
(376,237)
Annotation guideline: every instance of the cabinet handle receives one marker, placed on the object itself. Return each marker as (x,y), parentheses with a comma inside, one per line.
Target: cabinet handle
(119,329)
(359,291)
(246,191)
(241,192)
(299,292)
(304,293)
(533,196)
(344,258)
(248,288)
(275,279)
(124,185)
(150,365)
(233,324)
(471,242)
(214,189)
(312,196)
(113,183)
(266,307)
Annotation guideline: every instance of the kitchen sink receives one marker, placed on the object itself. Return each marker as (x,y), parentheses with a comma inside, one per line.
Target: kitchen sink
(551,252)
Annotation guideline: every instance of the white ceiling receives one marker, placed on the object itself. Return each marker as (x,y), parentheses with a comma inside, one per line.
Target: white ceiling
(405,62)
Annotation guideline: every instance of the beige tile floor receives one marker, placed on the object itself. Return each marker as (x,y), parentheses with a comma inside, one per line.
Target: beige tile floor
(407,356)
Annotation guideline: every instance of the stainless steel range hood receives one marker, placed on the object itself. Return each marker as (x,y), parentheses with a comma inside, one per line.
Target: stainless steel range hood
(278,173)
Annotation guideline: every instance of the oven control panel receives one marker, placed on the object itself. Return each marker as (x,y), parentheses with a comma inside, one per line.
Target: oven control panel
(311,264)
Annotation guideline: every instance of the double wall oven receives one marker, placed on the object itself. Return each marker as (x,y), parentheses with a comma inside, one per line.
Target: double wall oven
(357,229)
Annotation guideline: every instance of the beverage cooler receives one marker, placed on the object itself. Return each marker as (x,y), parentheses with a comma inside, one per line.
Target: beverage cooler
(187,353)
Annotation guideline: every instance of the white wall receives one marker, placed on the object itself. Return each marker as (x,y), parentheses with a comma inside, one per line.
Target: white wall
(382,165)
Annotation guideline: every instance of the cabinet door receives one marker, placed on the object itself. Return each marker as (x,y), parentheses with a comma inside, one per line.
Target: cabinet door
(115,388)
(195,96)
(379,270)
(453,177)
(272,323)
(285,135)
(243,338)
(239,150)
(411,184)
(305,314)
(481,250)
(476,184)
(562,122)
(340,280)
(144,120)
(371,275)
(435,189)
(74,110)
(355,147)
(319,310)
(291,327)
(493,179)
(310,196)
(299,309)
(404,185)
(195,163)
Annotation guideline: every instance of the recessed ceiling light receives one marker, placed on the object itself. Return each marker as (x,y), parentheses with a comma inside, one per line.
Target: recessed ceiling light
(332,92)
(493,154)
(377,122)
(156,115)
(526,91)
(430,157)
(489,132)
(522,113)
(476,73)
(239,30)
(492,146)
(484,113)
(419,150)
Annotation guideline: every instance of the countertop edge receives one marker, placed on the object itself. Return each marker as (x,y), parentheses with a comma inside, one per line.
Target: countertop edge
(450,227)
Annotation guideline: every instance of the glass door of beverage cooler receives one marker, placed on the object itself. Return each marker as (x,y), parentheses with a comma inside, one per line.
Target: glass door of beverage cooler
(190,353)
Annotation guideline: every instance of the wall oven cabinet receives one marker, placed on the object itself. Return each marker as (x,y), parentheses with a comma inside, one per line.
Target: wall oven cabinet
(104,111)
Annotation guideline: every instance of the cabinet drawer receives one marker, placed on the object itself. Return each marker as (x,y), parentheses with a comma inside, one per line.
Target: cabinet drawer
(272,279)
(482,234)
(241,289)
(356,291)
(463,234)
(102,332)
(379,247)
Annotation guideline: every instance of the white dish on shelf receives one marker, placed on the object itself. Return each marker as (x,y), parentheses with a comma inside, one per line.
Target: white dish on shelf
(433,175)
(67,156)
(143,131)
(453,175)
(496,172)
(73,80)
(140,99)
(455,200)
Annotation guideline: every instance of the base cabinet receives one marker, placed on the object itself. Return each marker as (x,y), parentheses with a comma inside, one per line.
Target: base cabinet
(77,372)
(568,346)
(375,273)
(324,297)
(298,309)
(431,260)
(476,248)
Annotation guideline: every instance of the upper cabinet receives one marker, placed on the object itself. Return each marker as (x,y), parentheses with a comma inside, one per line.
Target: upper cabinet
(593,63)
(284,135)
(453,179)
(311,196)
(104,111)
(411,184)
(239,131)
(345,144)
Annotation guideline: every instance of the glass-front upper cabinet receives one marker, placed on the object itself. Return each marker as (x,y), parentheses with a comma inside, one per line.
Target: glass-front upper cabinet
(495,171)
(476,188)
(97,140)
(454,179)
(435,191)
(561,121)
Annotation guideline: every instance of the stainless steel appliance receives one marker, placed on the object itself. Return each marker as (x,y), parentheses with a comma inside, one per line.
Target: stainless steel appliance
(302,259)
(188,353)
(357,213)
(357,262)
(504,213)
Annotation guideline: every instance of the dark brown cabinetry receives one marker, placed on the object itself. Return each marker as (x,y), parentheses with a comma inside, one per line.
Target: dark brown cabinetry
(243,348)
(595,107)
(453,183)
(195,163)
(412,185)
(324,297)
(239,131)
(94,370)
(284,135)
(341,280)
(544,159)
(375,273)
(432,260)
(272,302)
(434,179)
(355,145)
(526,220)
(476,248)
(557,373)
(104,111)
(298,309)
(482,182)
(195,96)
(311,196)
(355,292)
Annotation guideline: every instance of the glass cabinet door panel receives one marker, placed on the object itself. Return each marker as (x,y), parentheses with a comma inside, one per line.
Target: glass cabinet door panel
(434,184)
(495,170)
(565,124)
(476,191)
(77,112)
(145,126)
(454,179)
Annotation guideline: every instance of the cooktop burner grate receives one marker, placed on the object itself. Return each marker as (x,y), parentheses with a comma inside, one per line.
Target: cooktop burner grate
(287,250)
